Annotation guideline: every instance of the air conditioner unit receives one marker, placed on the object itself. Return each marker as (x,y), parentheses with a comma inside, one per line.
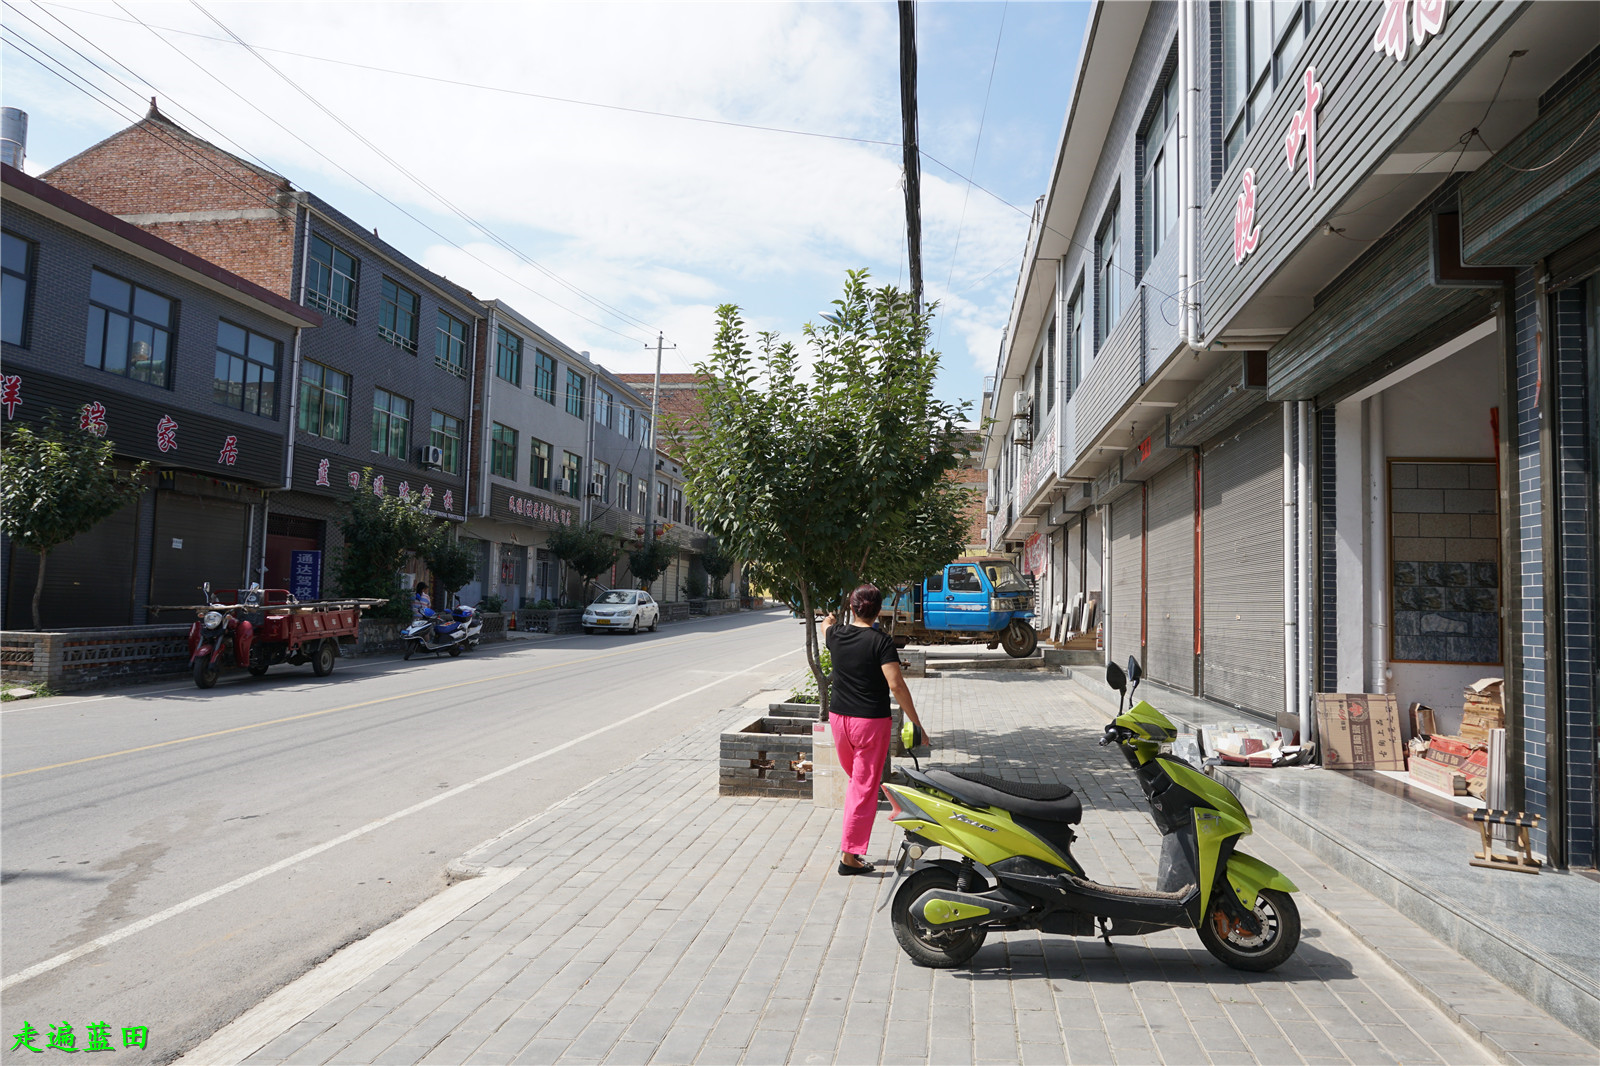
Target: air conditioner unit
(597,489)
(1022,419)
(430,455)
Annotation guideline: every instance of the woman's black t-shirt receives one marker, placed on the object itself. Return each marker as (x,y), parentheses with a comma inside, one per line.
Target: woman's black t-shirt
(859,655)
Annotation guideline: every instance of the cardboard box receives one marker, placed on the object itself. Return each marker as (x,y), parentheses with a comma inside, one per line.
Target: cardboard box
(1360,731)
(1441,778)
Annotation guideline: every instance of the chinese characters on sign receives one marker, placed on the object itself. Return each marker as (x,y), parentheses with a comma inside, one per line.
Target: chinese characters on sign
(1303,127)
(62,1038)
(92,418)
(10,394)
(1427,19)
(322,472)
(166,433)
(305,574)
(405,489)
(449,500)
(230,451)
(1245,230)
(355,479)
(529,508)
(377,485)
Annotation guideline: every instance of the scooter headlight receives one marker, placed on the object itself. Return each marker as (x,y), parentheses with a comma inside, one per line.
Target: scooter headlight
(212,620)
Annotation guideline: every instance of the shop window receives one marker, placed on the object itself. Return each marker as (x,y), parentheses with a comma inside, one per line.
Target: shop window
(17,289)
(397,315)
(246,371)
(324,402)
(445,434)
(130,329)
(331,281)
(391,423)
(503,451)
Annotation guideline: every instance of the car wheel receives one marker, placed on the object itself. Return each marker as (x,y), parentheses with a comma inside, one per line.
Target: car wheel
(634,629)
(653,620)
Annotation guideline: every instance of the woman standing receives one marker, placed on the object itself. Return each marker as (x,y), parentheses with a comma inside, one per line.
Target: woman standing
(866,668)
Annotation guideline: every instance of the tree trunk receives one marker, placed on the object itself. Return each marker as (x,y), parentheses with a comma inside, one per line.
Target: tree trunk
(38,589)
(813,654)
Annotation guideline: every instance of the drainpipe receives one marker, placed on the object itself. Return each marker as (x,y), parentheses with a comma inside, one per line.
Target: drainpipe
(1555,714)
(594,400)
(294,373)
(1291,642)
(266,514)
(1303,542)
(1377,549)
(1187,186)
(472,398)
(488,410)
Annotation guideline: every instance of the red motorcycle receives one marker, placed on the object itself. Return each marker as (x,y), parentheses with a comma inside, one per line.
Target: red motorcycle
(268,626)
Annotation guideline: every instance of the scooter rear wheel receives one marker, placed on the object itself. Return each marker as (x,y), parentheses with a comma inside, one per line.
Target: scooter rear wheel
(455,650)
(941,951)
(1279,936)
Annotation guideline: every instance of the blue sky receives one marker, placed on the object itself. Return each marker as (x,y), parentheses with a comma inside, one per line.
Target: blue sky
(606,225)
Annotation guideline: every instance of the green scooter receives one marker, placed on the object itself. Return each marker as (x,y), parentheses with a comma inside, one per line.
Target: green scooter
(1016,869)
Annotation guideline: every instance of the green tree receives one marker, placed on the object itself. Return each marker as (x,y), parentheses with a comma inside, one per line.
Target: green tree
(451,562)
(56,483)
(935,535)
(379,533)
(808,469)
(587,550)
(652,558)
(716,563)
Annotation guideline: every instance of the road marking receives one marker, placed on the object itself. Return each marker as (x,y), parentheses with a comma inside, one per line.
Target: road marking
(335,710)
(292,1003)
(266,871)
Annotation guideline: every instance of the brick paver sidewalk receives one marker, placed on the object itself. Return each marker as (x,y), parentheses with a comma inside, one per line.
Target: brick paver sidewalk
(659,922)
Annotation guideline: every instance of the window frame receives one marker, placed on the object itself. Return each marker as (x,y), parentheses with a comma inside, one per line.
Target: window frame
(30,260)
(169,331)
(544,375)
(1078,337)
(225,396)
(324,300)
(508,356)
(600,474)
(1159,175)
(540,463)
(1256,78)
(1108,272)
(390,430)
(446,342)
(624,492)
(449,445)
(576,393)
(572,474)
(390,310)
(503,451)
(320,389)
(603,402)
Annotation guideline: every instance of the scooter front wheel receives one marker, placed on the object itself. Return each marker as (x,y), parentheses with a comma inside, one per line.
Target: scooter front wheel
(412,647)
(941,951)
(1237,947)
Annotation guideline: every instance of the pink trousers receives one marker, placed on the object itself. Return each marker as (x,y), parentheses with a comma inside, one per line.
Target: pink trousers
(863,745)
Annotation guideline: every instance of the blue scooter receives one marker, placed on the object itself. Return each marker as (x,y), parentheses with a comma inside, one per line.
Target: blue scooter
(454,632)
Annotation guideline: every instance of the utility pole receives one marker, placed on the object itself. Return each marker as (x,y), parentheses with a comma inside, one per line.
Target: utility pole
(655,406)
(913,166)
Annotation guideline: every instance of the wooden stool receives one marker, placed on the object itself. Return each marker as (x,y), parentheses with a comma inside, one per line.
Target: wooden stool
(1525,862)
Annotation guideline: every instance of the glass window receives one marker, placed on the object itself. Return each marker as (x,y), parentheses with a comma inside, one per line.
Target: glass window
(508,357)
(539,465)
(603,402)
(677,504)
(544,377)
(398,316)
(450,344)
(625,420)
(391,423)
(18,273)
(964,579)
(130,330)
(1078,355)
(1260,41)
(571,474)
(574,393)
(1110,260)
(1050,367)
(602,480)
(1159,187)
(644,496)
(503,451)
(246,371)
(445,434)
(644,429)
(624,490)
(331,281)
(661,499)
(324,402)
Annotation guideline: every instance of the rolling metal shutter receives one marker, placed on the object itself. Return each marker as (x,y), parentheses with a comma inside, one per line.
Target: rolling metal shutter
(88,581)
(1074,553)
(1241,478)
(1127,578)
(1170,588)
(213,536)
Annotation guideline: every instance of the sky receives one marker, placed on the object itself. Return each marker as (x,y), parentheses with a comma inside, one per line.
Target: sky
(552,155)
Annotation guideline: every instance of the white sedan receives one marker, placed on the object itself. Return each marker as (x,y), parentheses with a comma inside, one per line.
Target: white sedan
(628,609)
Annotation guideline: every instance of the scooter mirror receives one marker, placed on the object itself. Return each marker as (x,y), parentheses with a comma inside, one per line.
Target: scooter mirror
(1115,678)
(1135,672)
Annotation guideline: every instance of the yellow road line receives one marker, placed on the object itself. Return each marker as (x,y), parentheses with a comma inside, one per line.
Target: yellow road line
(334,710)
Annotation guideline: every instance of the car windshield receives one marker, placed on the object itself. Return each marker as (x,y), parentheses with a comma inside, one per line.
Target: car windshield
(619,596)
(1005,577)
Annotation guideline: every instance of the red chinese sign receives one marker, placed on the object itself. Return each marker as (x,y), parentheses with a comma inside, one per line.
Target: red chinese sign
(166,434)
(92,418)
(377,485)
(1303,127)
(322,472)
(355,479)
(405,489)
(427,495)
(230,451)
(449,500)
(1245,231)
(10,394)
(1427,19)
(530,508)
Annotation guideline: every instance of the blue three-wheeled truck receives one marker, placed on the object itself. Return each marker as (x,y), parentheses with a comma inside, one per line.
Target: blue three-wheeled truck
(977,600)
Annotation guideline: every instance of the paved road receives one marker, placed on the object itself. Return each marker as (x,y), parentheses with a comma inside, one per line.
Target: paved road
(172,856)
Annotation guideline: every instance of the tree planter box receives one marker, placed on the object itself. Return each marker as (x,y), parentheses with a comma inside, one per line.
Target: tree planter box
(795,710)
(71,660)
(769,757)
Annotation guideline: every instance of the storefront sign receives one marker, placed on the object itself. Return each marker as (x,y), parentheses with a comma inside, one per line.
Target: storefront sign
(230,451)
(514,506)
(1427,19)
(166,434)
(1303,127)
(1035,555)
(322,472)
(1041,463)
(10,394)
(305,574)
(92,419)
(1245,230)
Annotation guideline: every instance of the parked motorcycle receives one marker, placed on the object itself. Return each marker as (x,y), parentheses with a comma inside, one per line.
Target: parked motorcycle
(222,636)
(454,632)
(1017,870)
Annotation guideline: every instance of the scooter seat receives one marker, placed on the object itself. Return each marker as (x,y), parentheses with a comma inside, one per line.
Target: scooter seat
(1050,803)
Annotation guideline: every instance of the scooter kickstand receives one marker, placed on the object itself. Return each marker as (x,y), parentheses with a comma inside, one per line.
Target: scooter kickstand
(1105,932)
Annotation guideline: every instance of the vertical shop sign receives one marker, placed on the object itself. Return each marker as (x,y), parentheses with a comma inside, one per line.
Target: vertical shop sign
(1245,230)
(92,419)
(1303,127)
(230,451)
(11,394)
(166,434)
(322,472)
(1427,19)
(305,574)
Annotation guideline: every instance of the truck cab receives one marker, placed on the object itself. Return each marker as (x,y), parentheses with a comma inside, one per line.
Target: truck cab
(978,600)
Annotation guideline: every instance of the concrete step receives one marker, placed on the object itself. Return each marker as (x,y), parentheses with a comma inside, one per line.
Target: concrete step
(1073,657)
(1032,662)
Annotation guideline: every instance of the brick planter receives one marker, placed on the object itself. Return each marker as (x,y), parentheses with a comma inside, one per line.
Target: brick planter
(764,757)
(550,620)
(70,660)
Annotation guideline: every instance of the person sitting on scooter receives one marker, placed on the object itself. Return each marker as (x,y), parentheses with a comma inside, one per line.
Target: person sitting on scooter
(421,600)
(866,667)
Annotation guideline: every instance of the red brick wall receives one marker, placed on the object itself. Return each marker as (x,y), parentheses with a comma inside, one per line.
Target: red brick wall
(154,168)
